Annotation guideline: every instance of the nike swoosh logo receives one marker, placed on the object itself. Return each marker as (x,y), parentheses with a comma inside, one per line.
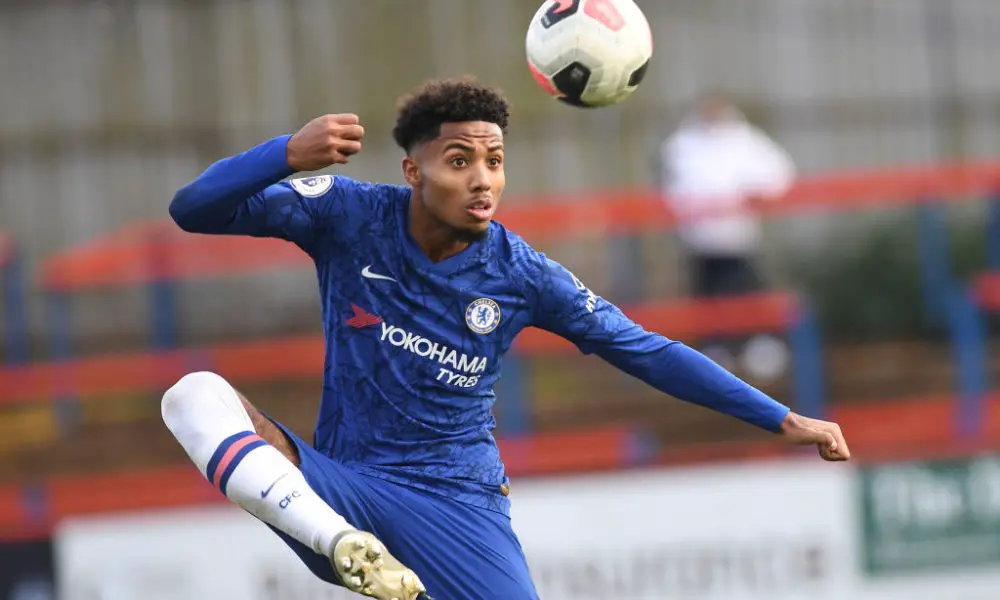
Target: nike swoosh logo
(271,487)
(367,273)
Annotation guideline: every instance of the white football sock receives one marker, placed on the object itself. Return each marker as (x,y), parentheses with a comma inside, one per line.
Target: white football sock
(208,419)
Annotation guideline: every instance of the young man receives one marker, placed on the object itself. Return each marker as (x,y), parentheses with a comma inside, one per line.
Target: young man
(422,294)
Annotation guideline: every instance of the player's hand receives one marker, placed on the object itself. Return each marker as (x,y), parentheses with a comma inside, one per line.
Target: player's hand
(325,141)
(803,431)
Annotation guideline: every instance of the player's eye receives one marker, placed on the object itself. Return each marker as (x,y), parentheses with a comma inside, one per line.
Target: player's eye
(459,161)
(495,161)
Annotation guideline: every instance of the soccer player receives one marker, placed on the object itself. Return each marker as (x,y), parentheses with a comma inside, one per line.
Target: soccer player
(422,294)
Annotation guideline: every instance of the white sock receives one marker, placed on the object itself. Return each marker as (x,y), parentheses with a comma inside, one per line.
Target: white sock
(208,419)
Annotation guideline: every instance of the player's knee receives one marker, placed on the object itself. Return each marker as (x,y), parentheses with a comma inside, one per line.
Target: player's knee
(184,398)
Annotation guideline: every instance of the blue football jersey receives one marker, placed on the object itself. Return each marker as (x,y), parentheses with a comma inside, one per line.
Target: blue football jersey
(415,347)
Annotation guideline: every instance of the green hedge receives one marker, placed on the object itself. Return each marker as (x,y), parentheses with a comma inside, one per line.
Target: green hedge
(866,283)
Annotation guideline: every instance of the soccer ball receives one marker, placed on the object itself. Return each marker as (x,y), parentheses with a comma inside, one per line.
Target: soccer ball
(589,53)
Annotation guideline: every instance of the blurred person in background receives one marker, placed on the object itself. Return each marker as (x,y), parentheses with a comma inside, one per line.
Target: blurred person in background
(714,171)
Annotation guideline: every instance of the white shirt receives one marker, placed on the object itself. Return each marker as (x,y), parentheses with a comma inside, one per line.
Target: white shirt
(710,170)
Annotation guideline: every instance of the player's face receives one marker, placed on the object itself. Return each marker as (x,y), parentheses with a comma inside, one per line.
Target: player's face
(461,176)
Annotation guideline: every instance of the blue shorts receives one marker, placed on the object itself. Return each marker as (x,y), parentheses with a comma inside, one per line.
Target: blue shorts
(460,552)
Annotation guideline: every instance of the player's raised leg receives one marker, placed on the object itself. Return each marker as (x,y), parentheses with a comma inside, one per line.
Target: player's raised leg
(253,463)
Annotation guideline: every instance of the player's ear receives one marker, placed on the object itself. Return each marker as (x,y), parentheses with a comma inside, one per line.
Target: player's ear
(411,171)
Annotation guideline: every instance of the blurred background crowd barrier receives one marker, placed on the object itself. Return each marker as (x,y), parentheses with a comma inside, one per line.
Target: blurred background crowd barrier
(881,262)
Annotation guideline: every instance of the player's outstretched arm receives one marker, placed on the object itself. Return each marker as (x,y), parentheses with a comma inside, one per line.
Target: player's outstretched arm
(239,195)
(564,306)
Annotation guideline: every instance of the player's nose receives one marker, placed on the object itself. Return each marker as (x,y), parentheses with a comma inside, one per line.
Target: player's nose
(479,179)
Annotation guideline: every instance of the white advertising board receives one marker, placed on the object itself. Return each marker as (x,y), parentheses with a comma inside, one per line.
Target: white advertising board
(218,553)
(774,531)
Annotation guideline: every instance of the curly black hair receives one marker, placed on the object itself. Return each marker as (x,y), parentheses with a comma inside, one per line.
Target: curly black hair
(422,112)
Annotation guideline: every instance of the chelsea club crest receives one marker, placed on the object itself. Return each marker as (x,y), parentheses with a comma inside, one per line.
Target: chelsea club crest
(483,315)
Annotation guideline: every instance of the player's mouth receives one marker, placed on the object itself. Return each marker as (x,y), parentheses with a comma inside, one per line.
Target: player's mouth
(480,210)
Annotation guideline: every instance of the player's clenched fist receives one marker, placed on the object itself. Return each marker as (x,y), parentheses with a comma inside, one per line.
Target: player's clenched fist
(324,141)
(827,436)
